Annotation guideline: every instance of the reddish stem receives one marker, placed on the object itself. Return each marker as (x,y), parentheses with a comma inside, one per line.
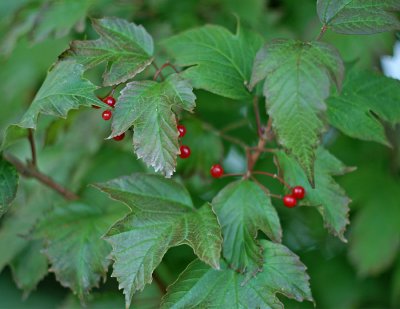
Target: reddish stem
(33,147)
(167,64)
(275,176)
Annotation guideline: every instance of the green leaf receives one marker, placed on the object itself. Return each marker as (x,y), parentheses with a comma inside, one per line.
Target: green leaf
(29,267)
(384,237)
(12,134)
(218,61)
(298,79)
(64,89)
(8,184)
(243,208)
(21,219)
(200,286)
(327,196)
(103,300)
(365,95)
(125,47)
(162,217)
(359,16)
(147,105)
(77,254)
(60,17)
(396,284)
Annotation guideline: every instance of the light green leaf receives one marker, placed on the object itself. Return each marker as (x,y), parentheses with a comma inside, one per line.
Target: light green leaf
(359,16)
(380,210)
(29,267)
(218,61)
(8,184)
(64,89)
(148,106)
(125,47)
(327,196)
(243,208)
(60,17)
(365,93)
(162,217)
(298,78)
(77,254)
(20,221)
(200,286)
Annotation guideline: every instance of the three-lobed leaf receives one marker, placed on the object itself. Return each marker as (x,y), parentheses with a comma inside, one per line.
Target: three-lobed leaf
(328,197)
(200,286)
(298,78)
(148,106)
(359,16)
(365,96)
(8,184)
(162,217)
(125,47)
(77,254)
(217,60)
(243,208)
(63,89)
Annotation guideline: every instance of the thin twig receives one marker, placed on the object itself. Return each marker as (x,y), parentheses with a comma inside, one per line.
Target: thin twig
(229,138)
(265,189)
(257,114)
(322,32)
(167,64)
(157,69)
(233,126)
(232,175)
(31,139)
(270,150)
(31,171)
(275,176)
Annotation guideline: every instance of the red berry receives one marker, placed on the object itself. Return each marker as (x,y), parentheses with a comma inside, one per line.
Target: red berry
(298,192)
(181,130)
(109,101)
(216,171)
(289,201)
(107,114)
(119,137)
(185,152)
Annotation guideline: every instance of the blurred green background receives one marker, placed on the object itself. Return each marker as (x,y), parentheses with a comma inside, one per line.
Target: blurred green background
(364,273)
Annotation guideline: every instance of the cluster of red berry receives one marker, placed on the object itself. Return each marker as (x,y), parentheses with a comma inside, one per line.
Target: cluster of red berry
(290,200)
(185,150)
(107,114)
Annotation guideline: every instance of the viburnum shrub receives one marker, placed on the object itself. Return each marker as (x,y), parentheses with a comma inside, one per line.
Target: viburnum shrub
(290,93)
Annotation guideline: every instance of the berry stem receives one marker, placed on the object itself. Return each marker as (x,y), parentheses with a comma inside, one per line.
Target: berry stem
(275,176)
(265,189)
(31,171)
(232,175)
(31,139)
